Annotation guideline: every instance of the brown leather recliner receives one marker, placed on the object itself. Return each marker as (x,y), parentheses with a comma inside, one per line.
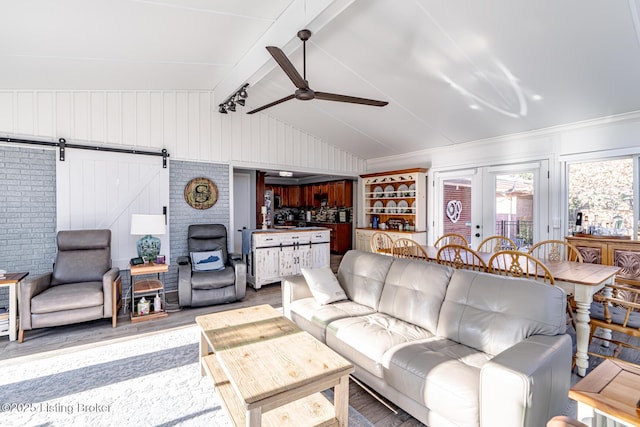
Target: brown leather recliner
(226,283)
(83,285)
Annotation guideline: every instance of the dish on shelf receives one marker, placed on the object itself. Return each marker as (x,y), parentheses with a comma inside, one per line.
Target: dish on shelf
(389,191)
(403,206)
(413,207)
(391,206)
(377,192)
(403,190)
(378,207)
(412,190)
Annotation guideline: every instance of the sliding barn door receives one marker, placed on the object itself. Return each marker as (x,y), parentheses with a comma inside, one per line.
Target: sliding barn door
(99,190)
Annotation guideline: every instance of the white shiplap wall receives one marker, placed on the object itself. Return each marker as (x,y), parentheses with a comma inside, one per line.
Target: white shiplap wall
(186,123)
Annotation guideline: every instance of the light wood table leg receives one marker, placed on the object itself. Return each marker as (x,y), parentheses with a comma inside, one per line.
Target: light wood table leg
(341,401)
(204,351)
(254,417)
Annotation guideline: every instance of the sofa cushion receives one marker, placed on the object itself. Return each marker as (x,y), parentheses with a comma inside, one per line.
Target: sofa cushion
(362,276)
(414,291)
(439,374)
(68,297)
(213,279)
(364,340)
(491,313)
(323,285)
(314,317)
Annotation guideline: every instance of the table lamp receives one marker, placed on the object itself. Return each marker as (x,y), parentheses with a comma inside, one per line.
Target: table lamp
(146,225)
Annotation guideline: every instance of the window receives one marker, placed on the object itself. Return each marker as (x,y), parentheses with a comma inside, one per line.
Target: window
(603,191)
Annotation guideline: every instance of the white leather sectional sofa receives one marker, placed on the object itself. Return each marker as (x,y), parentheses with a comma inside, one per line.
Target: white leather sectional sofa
(451,347)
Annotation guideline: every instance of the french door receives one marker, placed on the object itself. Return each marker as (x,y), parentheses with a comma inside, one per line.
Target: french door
(509,200)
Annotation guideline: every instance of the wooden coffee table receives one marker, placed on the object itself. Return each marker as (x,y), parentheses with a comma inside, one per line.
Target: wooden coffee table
(268,371)
(611,391)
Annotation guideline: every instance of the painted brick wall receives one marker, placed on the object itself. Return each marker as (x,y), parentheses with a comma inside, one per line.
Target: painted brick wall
(27,211)
(181,215)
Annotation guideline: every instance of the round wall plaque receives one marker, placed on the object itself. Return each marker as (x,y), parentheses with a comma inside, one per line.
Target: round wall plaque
(201,193)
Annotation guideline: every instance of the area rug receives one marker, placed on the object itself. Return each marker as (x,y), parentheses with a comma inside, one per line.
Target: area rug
(151,380)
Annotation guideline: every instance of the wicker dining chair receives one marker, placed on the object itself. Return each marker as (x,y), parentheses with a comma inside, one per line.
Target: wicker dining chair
(616,308)
(556,250)
(381,243)
(519,264)
(461,257)
(451,239)
(496,243)
(408,248)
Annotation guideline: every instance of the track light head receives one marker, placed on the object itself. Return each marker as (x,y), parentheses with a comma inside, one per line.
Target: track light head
(236,98)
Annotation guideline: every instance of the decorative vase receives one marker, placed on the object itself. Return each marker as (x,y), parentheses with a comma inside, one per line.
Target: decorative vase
(148,247)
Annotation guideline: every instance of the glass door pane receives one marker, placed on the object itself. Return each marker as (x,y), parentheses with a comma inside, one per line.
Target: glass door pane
(514,207)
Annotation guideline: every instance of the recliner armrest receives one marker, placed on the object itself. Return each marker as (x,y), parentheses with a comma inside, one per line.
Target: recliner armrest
(107,286)
(526,384)
(27,290)
(240,269)
(183,260)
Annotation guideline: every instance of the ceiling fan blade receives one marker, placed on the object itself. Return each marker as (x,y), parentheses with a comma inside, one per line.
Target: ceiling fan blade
(351,99)
(287,67)
(279,101)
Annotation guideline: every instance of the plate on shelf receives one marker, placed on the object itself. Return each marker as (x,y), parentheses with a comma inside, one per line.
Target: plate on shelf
(378,207)
(403,206)
(391,206)
(389,191)
(412,190)
(413,207)
(377,191)
(403,190)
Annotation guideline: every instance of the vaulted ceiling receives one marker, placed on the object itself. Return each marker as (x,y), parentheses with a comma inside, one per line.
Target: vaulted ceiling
(452,71)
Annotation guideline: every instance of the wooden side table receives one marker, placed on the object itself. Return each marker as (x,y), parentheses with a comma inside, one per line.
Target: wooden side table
(609,393)
(147,287)
(12,280)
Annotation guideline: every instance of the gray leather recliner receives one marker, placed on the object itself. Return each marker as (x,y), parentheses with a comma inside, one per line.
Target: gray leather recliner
(83,285)
(200,288)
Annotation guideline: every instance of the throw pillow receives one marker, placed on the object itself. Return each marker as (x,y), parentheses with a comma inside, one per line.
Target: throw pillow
(323,285)
(206,261)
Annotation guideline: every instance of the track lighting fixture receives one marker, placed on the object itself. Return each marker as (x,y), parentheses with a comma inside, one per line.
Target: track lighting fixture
(237,98)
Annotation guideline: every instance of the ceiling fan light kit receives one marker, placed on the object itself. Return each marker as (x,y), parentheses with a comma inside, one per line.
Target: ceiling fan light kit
(237,98)
(303,91)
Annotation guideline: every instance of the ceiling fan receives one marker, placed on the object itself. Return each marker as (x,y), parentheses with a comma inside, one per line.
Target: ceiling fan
(304,92)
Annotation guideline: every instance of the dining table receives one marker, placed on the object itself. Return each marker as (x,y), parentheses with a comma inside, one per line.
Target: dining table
(582,280)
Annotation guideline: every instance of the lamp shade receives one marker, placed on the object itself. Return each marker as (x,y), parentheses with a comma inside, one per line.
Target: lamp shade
(143,225)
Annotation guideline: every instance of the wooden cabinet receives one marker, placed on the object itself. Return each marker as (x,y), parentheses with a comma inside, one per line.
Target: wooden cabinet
(340,236)
(342,193)
(396,197)
(611,251)
(293,196)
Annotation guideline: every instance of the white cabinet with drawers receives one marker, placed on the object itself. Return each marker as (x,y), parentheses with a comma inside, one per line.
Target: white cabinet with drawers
(276,254)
